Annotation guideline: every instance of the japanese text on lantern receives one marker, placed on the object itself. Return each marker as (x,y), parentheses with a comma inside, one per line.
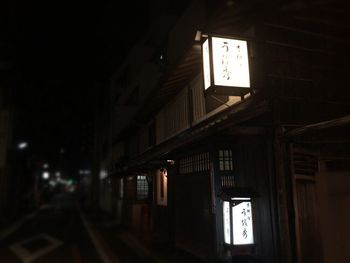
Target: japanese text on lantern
(230,62)
(242,224)
(227,230)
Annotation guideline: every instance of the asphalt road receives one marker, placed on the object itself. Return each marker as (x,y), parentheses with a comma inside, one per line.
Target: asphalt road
(59,232)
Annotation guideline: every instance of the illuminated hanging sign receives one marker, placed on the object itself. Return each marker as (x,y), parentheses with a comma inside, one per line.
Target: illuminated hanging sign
(238,221)
(227,224)
(206,64)
(225,66)
(242,223)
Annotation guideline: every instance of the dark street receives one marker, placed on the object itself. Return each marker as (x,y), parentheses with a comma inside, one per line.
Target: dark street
(60,232)
(55,234)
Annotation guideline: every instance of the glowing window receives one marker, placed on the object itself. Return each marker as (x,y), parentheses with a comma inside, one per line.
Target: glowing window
(225,160)
(142,187)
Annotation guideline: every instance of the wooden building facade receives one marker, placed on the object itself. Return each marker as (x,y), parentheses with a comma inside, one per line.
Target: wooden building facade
(276,147)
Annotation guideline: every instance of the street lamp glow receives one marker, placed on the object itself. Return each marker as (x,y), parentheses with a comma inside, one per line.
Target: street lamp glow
(22,145)
(45,166)
(58,174)
(46,175)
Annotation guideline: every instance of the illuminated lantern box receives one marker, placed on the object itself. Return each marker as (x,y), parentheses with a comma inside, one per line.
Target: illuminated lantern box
(225,66)
(238,219)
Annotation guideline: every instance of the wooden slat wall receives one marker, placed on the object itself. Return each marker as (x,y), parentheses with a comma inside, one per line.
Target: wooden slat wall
(177,114)
(198,100)
(305,66)
(253,171)
(307,224)
(308,221)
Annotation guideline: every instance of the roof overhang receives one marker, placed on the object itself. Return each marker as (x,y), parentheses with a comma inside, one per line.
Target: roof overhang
(236,114)
(335,131)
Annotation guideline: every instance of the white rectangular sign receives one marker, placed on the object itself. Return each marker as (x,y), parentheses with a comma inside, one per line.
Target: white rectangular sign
(242,224)
(206,64)
(227,227)
(230,62)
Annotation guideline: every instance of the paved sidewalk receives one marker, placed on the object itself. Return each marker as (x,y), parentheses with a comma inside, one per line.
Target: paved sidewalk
(127,248)
(9,228)
(158,253)
(131,248)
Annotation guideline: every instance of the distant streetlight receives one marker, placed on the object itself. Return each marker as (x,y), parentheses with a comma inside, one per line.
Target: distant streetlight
(45,165)
(61,151)
(22,145)
(46,175)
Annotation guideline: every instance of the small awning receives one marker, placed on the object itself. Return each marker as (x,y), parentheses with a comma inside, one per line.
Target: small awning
(142,168)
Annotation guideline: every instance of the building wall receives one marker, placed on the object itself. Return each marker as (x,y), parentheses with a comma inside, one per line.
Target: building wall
(4,136)
(333,199)
(254,166)
(136,213)
(194,222)
(7,186)
(304,66)
(297,66)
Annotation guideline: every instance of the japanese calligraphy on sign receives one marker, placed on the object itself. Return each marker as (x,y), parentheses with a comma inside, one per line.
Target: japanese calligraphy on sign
(230,62)
(206,64)
(227,229)
(242,224)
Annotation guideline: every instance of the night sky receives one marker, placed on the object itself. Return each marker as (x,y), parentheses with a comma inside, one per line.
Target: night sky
(65,53)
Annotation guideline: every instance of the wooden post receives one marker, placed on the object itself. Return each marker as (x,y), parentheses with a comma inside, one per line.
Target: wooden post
(282,204)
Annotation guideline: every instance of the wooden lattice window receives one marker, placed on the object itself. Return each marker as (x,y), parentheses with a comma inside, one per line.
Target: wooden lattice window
(194,164)
(142,187)
(225,160)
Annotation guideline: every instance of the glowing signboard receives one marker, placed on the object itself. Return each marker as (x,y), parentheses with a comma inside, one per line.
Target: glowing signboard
(225,66)
(230,62)
(238,221)
(242,224)
(227,226)
(206,64)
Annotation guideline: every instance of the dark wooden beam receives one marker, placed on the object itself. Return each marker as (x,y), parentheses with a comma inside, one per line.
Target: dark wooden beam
(319,126)
(246,130)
